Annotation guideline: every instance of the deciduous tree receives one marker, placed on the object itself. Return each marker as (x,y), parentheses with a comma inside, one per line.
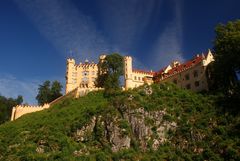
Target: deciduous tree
(227,56)
(6,105)
(48,92)
(110,70)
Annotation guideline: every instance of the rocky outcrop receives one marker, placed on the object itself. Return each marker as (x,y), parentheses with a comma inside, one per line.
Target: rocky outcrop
(81,134)
(117,135)
(148,128)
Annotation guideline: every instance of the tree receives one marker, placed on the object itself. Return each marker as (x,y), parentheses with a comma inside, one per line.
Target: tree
(227,56)
(6,105)
(56,90)
(48,92)
(110,70)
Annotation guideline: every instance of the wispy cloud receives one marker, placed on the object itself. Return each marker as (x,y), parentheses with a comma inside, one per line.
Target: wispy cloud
(123,25)
(12,87)
(65,27)
(125,20)
(168,46)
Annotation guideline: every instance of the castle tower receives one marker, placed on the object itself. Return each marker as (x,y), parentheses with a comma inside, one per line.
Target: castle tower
(128,72)
(71,75)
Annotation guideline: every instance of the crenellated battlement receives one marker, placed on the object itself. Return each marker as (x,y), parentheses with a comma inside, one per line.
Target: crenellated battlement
(143,72)
(28,106)
(20,110)
(127,57)
(70,60)
(84,65)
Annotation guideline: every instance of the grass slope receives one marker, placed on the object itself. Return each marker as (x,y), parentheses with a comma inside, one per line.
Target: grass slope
(204,132)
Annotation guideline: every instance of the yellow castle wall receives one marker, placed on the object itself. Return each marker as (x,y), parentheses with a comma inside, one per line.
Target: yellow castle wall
(138,79)
(21,110)
(133,78)
(195,82)
(189,80)
(18,111)
(81,75)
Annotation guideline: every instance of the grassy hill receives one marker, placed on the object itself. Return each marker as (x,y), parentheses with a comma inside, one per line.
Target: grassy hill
(158,122)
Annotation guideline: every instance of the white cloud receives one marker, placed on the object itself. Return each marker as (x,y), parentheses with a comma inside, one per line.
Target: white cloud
(125,20)
(12,87)
(65,27)
(168,46)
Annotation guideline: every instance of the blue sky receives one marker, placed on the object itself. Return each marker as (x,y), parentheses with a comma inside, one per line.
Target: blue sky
(36,36)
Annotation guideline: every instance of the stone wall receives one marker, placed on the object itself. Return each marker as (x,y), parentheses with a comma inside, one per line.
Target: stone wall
(20,110)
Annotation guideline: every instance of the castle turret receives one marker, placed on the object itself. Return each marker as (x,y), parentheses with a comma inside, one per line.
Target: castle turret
(128,71)
(71,75)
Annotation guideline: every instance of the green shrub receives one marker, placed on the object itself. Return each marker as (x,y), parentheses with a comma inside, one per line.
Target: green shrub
(201,122)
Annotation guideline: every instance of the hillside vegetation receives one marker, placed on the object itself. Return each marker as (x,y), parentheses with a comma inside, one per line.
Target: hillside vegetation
(157,122)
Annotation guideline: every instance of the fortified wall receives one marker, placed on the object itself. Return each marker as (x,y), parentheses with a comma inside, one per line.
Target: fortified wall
(20,110)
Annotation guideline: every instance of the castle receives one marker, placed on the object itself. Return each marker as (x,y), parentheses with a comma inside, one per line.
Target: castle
(189,75)
(80,78)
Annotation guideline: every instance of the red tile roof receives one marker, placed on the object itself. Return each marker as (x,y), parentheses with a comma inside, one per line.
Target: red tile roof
(179,68)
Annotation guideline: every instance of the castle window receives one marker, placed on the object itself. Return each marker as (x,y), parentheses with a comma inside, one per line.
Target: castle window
(195,73)
(135,78)
(175,81)
(85,73)
(139,78)
(187,77)
(188,86)
(84,79)
(197,83)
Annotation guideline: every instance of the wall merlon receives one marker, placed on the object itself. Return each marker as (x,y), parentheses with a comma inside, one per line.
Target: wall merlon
(127,57)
